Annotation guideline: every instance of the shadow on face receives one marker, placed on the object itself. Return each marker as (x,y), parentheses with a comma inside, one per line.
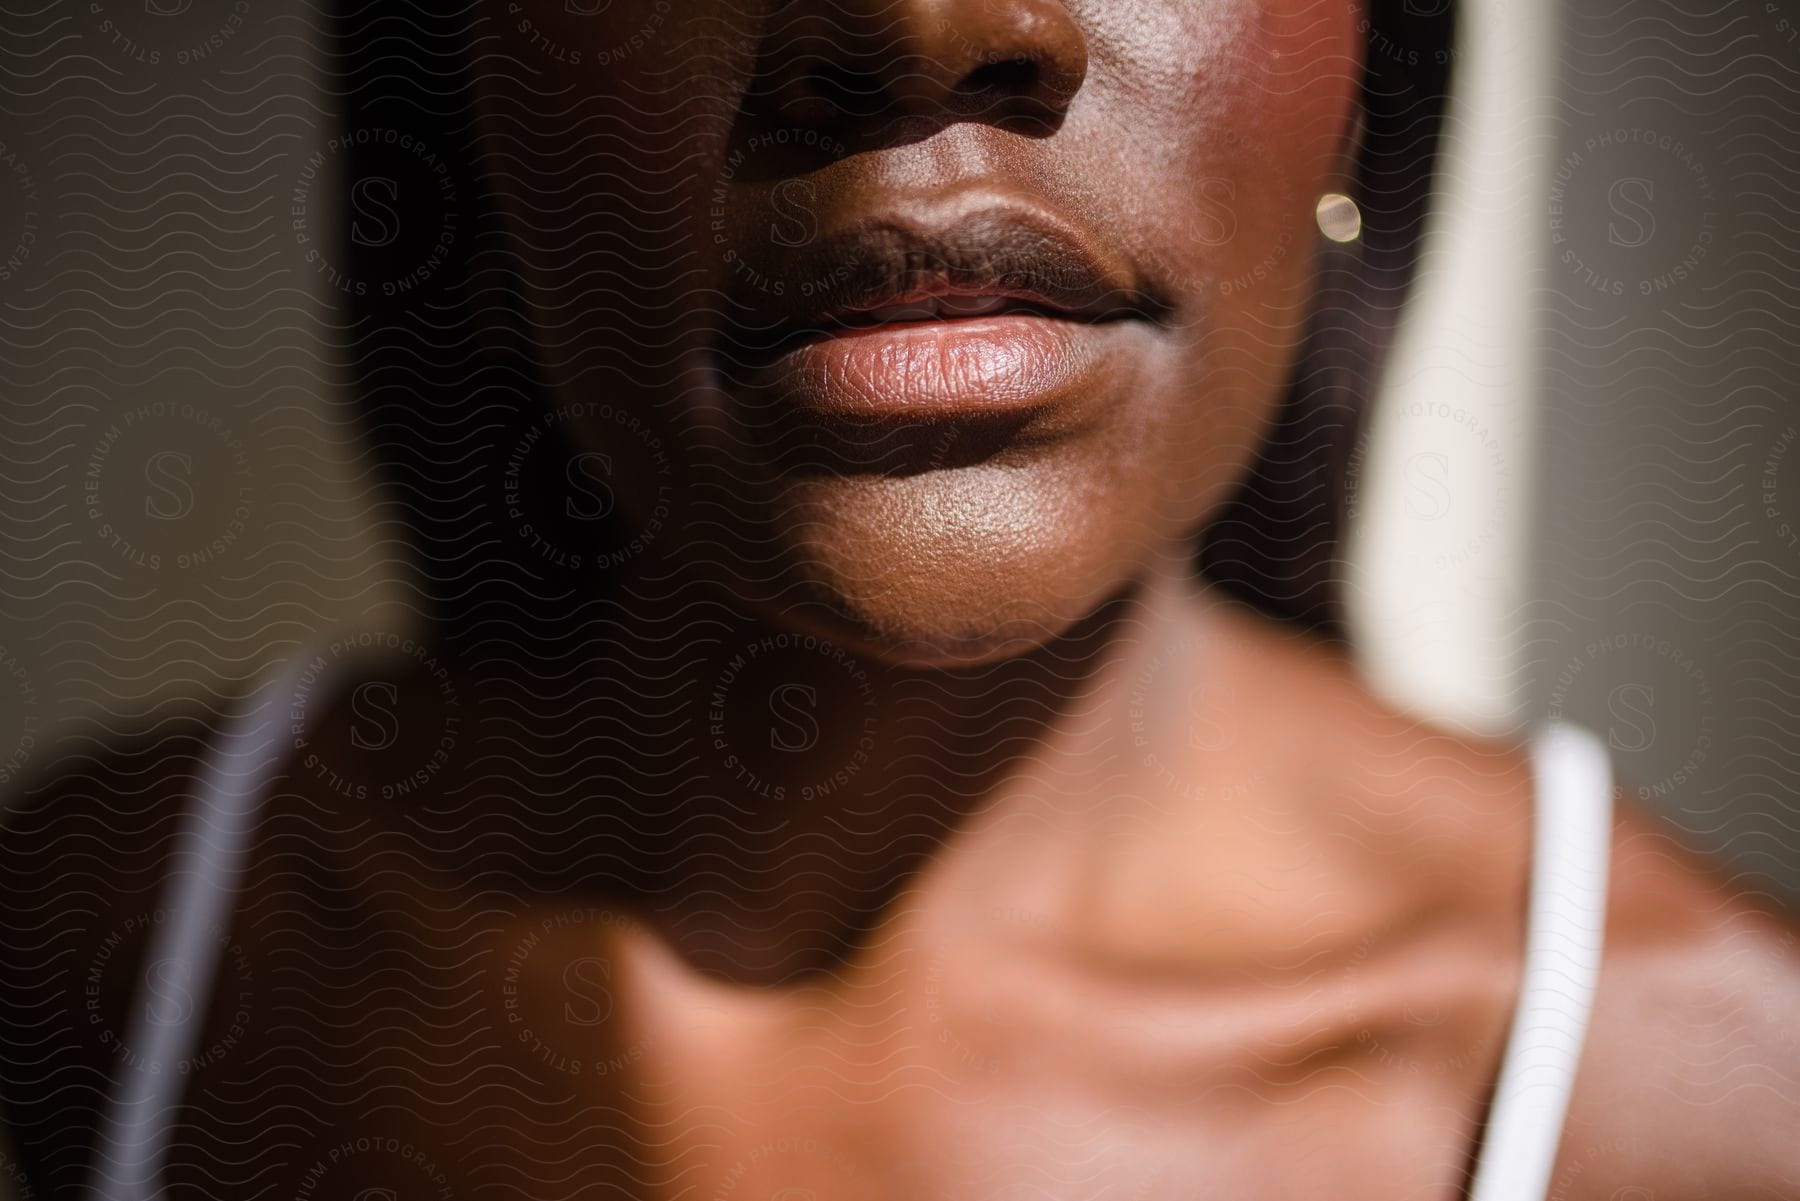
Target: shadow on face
(945,317)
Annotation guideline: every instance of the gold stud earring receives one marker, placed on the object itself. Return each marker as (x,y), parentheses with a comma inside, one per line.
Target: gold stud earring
(1339,218)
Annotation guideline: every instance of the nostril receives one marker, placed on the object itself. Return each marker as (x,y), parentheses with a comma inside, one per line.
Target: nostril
(849,91)
(1017,76)
(1028,88)
(863,60)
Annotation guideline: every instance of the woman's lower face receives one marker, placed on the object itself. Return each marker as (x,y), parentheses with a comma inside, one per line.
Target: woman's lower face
(948,315)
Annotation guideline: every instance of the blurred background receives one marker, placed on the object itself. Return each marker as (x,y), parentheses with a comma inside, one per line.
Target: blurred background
(1580,500)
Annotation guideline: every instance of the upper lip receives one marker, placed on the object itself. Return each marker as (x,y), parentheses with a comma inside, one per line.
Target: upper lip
(874,270)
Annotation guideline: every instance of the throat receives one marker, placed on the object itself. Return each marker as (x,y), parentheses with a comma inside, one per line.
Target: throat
(832,782)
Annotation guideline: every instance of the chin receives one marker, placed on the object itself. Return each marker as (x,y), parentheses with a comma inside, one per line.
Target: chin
(951,568)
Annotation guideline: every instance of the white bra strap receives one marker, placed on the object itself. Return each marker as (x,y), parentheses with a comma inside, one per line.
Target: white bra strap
(199,895)
(1571,850)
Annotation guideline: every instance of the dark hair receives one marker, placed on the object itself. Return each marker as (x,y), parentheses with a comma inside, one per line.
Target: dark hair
(445,387)
(1276,544)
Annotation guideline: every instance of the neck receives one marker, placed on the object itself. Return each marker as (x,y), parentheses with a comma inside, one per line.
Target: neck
(818,783)
(760,794)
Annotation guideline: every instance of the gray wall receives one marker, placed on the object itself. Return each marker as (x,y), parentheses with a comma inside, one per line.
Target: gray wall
(177,503)
(1668,552)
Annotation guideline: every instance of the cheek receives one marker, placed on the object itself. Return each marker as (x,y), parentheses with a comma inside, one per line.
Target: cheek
(1235,140)
(1275,112)
(1311,59)
(607,124)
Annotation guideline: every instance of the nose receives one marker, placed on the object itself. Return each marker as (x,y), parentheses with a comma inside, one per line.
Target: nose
(831,61)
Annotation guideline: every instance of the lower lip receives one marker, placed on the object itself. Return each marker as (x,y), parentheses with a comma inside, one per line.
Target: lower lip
(971,367)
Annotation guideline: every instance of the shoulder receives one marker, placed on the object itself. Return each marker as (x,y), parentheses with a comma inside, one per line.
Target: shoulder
(1432,812)
(1689,1085)
(1271,799)
(88,855)
(92,831)
(1379,822)
(83,861)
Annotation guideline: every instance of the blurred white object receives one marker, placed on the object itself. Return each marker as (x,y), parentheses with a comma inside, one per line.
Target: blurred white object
(1437,574)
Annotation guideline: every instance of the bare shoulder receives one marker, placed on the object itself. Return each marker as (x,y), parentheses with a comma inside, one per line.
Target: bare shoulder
(1272,800)
(1689,1086)
(1416,803)
(83,858)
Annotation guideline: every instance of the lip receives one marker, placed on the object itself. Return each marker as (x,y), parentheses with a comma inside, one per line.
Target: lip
(990,309)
